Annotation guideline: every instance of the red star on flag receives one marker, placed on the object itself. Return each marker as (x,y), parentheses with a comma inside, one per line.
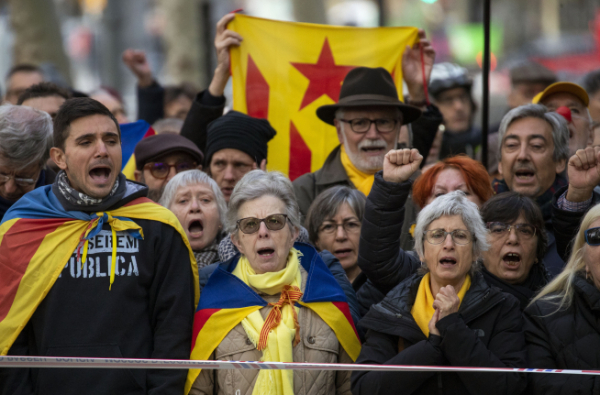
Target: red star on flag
(325,76)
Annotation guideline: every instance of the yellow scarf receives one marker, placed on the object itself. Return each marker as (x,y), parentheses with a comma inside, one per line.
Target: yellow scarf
(280,339)
(422,311)
(362,181)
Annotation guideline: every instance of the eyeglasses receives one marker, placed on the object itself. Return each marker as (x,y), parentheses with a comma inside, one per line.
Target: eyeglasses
(161,170)
(437,236)
(22,182)
(272,222)
(332,227)
(362,125)
(500,229)
(592,236)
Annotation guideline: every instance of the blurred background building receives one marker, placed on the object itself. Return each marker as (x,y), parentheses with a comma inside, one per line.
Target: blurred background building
(80,42)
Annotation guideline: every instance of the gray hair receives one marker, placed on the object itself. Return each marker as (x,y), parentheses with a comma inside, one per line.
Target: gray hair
(256,184)
(327,204)
(25,136)
(193,177)
(560,130)
(453,203)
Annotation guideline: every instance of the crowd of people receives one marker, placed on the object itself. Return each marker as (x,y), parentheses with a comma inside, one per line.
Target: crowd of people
(402,249)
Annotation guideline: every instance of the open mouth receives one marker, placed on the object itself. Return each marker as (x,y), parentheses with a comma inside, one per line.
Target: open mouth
(343,252)
(100,174)
(512,259)
(227,190)
(447,261)
(266,252)
(524,175)
(195,228)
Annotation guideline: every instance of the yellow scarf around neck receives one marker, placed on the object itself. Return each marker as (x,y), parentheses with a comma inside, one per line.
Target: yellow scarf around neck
(362,181)
(422,311)
(280,339)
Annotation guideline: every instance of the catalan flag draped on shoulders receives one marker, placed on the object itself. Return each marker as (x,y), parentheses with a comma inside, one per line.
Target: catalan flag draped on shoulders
(284,71)
(83,277)
(232,302)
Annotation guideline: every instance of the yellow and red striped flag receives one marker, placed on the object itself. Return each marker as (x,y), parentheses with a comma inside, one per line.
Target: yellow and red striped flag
(284,71)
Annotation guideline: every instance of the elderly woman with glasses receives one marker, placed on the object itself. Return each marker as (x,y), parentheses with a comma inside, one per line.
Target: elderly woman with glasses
(276,301)
(334,220)
(444,314)
(199,205)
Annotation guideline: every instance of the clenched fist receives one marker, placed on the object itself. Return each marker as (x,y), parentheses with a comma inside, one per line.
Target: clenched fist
(400,164)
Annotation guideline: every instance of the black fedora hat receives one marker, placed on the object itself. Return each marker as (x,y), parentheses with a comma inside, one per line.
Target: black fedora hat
(364,86)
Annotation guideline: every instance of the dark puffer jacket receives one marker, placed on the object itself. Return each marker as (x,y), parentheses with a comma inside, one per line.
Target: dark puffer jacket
(386,265)
(486,331)
(568,339)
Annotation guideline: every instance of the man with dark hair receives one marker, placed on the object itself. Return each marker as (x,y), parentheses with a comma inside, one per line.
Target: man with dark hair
(591,83)
(113,276)
(160,157)
(19,78)
(44,96)
(178,100)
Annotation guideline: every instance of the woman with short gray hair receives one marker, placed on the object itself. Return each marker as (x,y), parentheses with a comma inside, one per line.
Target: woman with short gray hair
(430,318)
(199,205)
(25,142)
(267,281)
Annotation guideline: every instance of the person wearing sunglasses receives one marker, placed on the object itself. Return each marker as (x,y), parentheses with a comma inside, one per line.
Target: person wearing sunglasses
(272,277)
(443,313)
(160,157)
(25,142)
(561,323)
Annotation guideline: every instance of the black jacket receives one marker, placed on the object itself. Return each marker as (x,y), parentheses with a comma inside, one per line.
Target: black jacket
(205,109)
(148,313)
(568,339)
(566,223)
(385,264)
(486,331)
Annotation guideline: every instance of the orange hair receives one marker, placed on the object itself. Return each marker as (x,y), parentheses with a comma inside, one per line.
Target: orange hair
(475,175)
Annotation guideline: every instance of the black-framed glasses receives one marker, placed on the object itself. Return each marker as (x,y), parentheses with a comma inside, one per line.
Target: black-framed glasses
(20,181)
(272,222)
(362,125)
(161,170)
(501,229)
(351,226)
(459,236)
(592,236)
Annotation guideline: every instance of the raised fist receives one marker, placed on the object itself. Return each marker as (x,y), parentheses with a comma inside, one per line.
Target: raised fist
(400,164)
(138,64)
(584,174)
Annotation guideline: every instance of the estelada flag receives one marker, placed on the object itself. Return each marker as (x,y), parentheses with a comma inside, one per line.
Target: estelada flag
(226,301)
(284,71)
(131,134)
(38,237)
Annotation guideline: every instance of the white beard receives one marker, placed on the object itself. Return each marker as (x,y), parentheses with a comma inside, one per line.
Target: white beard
(369,164)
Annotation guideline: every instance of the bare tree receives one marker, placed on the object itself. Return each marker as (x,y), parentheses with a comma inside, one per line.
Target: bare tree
(37,34)
(184,41)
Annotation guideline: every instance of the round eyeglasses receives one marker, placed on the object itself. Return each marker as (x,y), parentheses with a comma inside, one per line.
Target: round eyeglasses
(161,170)
(437,236)
(251,225)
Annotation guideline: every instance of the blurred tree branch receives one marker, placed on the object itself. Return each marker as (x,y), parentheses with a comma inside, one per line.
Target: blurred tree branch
(38,37)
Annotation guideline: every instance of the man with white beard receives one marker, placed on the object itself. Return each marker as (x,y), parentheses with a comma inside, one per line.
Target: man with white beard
(367,118)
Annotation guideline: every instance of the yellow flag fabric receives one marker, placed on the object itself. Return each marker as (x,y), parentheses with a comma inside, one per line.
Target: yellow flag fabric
(422,310)
(284,71)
